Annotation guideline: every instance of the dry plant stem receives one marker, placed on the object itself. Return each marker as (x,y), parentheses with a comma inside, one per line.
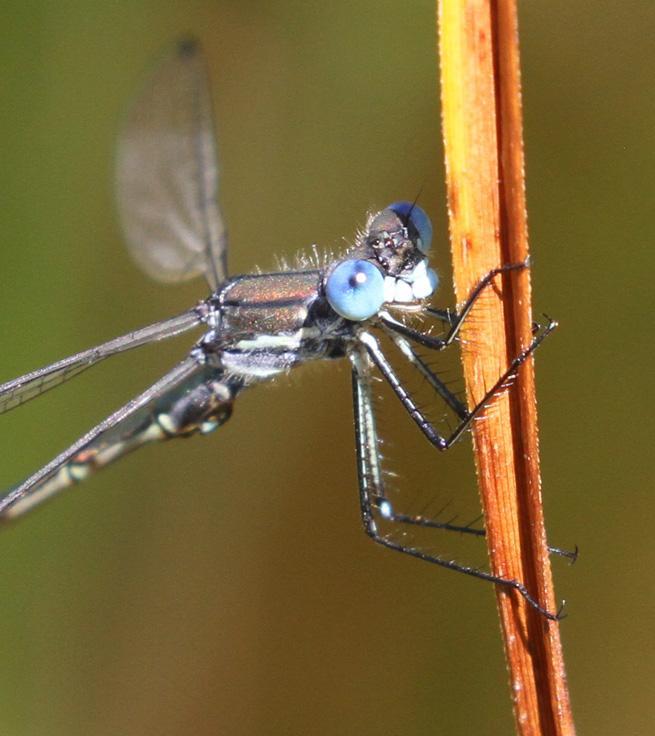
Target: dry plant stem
(481,103)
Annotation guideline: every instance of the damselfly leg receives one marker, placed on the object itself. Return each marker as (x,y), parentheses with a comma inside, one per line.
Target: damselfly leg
(459,408)
(469,529)
(440,441)
(370,475)
(454,319)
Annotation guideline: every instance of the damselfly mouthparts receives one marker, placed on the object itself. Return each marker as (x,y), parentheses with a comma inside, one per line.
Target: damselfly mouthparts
(255,326)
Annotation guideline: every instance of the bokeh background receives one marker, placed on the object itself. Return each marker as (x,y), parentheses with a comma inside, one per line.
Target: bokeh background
(223,585)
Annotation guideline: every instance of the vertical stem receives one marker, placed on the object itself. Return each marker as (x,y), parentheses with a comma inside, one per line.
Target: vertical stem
(481,103)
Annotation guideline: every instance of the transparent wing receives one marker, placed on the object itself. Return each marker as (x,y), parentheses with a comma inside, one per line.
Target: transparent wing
(133,425)
(22,389)
(167,174)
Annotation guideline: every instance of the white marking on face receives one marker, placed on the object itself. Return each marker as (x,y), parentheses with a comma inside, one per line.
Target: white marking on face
(389,288)
(411,287)
(418,273)
(403,291)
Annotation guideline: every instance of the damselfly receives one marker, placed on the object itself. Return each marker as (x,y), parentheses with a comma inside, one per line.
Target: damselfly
(260,325)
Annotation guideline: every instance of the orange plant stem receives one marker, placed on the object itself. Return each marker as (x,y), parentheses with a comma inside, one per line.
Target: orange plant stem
(481,104)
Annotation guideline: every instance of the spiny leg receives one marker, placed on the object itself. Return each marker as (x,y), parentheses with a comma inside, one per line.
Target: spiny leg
(434,436)
(371,489)
(462,412)
(458,407)
(455,320)
(428,523)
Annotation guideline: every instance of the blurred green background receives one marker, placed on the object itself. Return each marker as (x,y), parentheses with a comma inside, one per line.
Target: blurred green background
(224,585)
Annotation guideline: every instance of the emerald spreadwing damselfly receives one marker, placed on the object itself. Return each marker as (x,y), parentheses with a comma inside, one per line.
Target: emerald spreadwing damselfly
(258,326)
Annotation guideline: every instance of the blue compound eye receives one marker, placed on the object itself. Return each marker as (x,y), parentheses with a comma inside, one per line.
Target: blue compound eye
(413,216)
(355,290)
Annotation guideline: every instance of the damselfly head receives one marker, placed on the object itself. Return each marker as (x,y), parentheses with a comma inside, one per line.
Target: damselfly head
(400,237)
(392,267)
